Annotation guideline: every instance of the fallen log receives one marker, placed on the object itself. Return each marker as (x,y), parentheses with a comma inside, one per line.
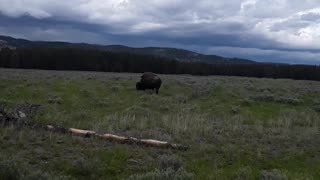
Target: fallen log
(80,132)
(128,140)
(115,138)
(7,119)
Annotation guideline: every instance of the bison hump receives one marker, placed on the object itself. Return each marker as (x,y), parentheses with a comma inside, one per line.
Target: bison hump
(148,74)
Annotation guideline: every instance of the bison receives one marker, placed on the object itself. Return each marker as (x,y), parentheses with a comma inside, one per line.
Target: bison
(149,80)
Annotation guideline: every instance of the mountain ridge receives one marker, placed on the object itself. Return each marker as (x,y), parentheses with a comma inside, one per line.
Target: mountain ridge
(181,55)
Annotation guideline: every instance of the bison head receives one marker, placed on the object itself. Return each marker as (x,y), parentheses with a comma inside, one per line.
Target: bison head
(139,86)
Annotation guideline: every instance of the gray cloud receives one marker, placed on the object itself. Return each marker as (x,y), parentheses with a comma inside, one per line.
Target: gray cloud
(311,17)
(263,55)
(284,27)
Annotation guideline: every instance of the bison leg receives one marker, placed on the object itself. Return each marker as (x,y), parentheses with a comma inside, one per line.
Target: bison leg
(157,91)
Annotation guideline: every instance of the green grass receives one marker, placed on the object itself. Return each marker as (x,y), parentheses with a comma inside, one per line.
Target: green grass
(237,128)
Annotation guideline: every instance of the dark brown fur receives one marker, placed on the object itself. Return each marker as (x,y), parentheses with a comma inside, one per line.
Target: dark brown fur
(149,80)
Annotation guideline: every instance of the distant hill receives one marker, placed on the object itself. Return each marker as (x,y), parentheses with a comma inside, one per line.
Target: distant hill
(5,44)
(171,53)
(179,55)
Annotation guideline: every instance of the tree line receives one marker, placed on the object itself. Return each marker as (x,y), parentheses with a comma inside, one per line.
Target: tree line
(97,60)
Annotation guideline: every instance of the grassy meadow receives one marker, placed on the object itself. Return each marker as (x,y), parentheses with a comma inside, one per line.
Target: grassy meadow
(236,127)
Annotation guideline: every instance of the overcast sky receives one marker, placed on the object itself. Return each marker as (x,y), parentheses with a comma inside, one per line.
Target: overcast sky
(263,30)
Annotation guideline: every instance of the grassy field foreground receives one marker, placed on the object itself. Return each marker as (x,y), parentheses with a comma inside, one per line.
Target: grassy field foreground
(237,128)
